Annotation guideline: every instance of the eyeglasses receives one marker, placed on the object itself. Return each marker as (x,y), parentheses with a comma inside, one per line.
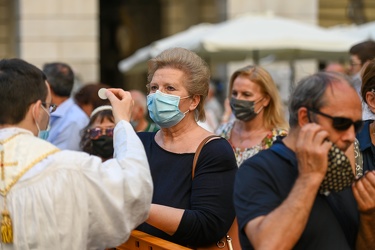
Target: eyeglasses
(341,123)
(95,133)
(50,106)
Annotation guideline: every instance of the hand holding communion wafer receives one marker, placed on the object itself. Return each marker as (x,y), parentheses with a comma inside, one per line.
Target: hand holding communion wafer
(121,101)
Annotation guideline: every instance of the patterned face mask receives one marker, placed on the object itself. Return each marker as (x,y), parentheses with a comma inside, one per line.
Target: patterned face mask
(339,173)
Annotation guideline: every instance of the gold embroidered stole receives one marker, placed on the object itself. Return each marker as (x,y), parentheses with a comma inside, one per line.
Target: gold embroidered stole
(18,153)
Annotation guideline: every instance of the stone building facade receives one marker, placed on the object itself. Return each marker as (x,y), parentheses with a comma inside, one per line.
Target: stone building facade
(93,35)
(41,31)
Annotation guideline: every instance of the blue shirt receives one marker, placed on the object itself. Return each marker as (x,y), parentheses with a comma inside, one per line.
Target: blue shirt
(66,124)
(366,147)
(265,180)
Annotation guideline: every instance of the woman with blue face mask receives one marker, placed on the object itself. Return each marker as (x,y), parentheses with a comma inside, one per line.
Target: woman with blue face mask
(256,106)
(191,212)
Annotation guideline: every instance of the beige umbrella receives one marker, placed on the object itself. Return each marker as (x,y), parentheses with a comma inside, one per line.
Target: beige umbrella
(249,36)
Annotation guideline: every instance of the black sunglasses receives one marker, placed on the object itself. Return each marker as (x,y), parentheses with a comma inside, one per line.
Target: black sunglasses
(341,123)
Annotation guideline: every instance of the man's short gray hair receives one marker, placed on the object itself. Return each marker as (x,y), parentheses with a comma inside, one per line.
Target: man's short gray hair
(309,92)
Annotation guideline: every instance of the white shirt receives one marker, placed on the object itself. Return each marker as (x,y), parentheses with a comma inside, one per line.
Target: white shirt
(71,200)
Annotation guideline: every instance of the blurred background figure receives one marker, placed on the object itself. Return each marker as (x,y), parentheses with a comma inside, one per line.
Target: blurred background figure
(360,54)
(68,119)
(256,104)
(87,97)
(227,114)
(139,119)
(335,67)
(97,136)
(366,136)
(213,109)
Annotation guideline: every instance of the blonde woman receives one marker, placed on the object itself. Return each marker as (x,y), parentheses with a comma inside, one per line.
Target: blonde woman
(191,212)
(256,104)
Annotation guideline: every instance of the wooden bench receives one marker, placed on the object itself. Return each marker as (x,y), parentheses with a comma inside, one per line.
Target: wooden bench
(142,241)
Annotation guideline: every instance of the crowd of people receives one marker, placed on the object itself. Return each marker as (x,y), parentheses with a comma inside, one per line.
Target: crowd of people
(54,198)
(81,171)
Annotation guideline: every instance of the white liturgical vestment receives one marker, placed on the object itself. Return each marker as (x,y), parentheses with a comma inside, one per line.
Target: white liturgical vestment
(71,200)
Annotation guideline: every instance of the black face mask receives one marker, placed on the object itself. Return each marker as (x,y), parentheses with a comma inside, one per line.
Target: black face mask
(103,147)
(243,110)
(339,173)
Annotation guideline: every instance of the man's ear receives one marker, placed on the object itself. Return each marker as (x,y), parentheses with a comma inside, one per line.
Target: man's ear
(35,109)
(33,115)
(303,116)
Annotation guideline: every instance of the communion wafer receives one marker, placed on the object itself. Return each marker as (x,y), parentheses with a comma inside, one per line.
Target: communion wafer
(101,94)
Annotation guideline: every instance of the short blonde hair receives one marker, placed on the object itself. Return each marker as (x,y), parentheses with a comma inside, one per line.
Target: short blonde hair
(195,69)
(274,116)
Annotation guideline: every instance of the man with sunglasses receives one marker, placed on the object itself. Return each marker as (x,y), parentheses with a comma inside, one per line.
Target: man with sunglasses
(63,199)
(302,193)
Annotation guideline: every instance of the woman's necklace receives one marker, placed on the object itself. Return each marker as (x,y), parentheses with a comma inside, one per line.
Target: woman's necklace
(246,138)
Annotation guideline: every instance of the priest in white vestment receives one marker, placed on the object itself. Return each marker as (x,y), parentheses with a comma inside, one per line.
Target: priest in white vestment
(60,199)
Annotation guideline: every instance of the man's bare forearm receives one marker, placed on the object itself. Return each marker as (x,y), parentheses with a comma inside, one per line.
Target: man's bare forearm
(287,222)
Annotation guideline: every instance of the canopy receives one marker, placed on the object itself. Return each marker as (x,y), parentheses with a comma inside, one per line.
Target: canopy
(360,32)
(250,36)
(286,38)
(189,39)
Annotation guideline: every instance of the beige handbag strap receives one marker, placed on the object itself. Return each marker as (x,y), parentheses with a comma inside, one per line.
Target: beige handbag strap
(199,151)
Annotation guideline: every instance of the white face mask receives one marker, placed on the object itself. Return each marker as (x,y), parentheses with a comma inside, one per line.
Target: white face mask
(163,109)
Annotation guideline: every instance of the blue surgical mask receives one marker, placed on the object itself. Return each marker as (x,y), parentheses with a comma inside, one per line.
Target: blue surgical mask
(43,134)
(163,109)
